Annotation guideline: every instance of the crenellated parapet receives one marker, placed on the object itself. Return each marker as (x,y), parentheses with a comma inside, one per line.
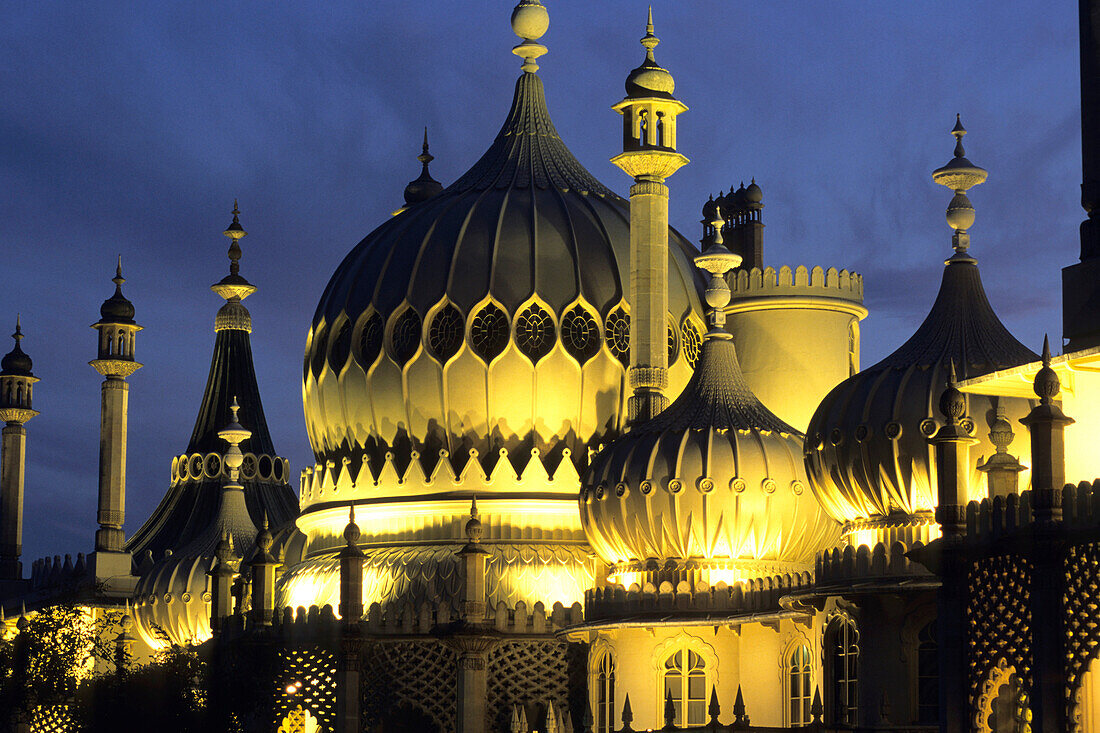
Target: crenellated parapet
(801,282)
(797,334)
(754,597)
(864,563)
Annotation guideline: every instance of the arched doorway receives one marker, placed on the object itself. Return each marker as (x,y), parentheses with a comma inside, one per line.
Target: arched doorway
(1086,710)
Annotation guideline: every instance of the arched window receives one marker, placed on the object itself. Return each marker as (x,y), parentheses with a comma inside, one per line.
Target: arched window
(799,693)
(928,676)
(603,685)
(685,680)
(841,661)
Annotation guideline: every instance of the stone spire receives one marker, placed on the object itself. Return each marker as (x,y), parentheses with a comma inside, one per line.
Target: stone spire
(649,156)
(189,513)
(16,408)
(115,361)
(960,175)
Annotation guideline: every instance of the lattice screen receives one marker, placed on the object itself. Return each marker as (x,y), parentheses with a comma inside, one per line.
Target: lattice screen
(1082,631)
(532,672)
(311,672)
(51,719)
(409,676)
(1000,619)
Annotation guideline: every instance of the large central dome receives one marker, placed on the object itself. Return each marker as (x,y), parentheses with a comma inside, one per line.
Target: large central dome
(490,317)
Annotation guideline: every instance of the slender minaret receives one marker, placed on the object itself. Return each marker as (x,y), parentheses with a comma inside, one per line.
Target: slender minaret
(1081,281)
(16,393)
(115,361)
(649,155)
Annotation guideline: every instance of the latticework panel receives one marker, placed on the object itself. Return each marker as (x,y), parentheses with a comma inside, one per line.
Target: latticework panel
(307,679)
(402,676)
(51,719)
(999,615)
(532,673)
(1082,631)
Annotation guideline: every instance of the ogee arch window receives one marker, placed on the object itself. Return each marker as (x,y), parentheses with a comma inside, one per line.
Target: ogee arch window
(370,341)
(580,334)
(489,332)
(685,680)
(445,333)
(604,686)
(617,334)
(799,694)
(405,339)
(841,663)
(534,332)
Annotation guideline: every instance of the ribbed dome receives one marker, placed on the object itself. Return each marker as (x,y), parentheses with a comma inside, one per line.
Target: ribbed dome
(490,316)
(867,450)
(16,363)
(715,484)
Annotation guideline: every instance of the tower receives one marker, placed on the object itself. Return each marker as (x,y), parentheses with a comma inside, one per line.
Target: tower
(16,393)
(115,361)
(1080,295)
(649,156)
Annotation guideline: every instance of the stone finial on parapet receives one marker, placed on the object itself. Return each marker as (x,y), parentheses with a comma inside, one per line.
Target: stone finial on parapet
(474,559)
(1047,423)
(351,573)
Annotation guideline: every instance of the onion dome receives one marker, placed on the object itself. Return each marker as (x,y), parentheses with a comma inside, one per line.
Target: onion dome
(492,316)
(867,450)
(15,363)
(190,508)
(714,487)
(117,309)
(424,187)
(753,194)
(650,79)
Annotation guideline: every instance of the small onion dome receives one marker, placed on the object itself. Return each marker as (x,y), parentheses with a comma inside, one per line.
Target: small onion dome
(15,363)
(867,450)
(753,194)
(650,79)
(424,187)
(117,309)
(715,482)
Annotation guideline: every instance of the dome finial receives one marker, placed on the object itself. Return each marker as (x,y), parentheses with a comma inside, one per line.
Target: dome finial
(18,335)
(530,22)
(118,279)
(960,175)
(473,526)
(233,285)
(424,187)
(1047,385)
(717,260)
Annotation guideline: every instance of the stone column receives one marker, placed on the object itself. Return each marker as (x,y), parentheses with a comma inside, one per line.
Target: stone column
(1047,423)
(952,443)
(115,396)
(13,451)
(648,297)
(351,612)
(221,575)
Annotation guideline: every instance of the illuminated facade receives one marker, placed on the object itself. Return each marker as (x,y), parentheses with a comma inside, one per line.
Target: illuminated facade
(572,470)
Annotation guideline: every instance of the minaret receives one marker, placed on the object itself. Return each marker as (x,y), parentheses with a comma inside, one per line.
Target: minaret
(1080,292)
(115,361)
(16,393)
(649,156)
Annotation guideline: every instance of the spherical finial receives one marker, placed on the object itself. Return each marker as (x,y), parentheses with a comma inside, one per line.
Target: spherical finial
(473,526)
(960,175)
(530,22)
(224,549)
(952,401)
(1047,385)
(351,531)
(126,623)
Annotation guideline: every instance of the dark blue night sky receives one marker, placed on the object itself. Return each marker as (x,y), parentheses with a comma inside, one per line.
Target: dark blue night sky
(130,127)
